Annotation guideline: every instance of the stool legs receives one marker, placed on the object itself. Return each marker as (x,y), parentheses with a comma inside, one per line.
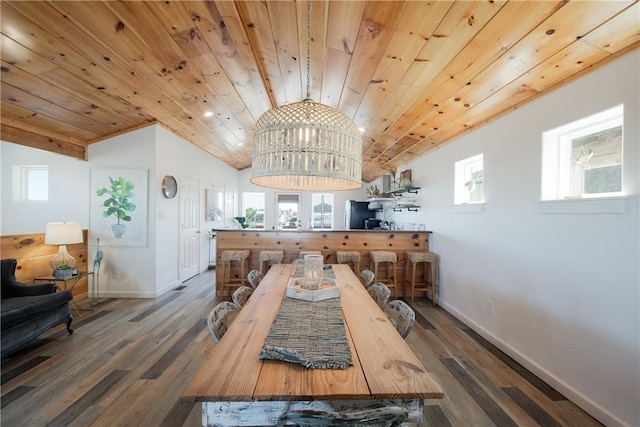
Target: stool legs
(429,276)
(226,275)
(391,275)
(411,281)
(356,266)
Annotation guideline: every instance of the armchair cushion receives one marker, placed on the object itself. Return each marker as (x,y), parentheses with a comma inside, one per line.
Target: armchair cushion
(16,311)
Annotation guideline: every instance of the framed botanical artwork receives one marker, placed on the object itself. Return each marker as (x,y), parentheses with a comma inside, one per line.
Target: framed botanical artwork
(119,205)
(214,204)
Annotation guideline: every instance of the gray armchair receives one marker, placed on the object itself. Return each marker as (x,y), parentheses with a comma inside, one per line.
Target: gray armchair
(27,311)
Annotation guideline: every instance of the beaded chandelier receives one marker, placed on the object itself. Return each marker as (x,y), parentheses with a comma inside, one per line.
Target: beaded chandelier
(307,145)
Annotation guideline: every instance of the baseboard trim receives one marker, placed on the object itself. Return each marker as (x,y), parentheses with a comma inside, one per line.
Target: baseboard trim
(133,294)
(589,406)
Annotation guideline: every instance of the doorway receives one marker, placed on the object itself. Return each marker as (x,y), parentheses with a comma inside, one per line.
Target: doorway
(189,228)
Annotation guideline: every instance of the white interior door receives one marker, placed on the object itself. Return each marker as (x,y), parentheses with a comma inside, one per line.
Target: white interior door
(189,228)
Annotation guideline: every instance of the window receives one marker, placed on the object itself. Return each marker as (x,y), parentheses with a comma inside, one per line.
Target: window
(34,183)
(253,209)
(469,180)
(322,211)
(287,206)
(584,158)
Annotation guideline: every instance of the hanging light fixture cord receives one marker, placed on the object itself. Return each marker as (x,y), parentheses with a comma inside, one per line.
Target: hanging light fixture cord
(308,50)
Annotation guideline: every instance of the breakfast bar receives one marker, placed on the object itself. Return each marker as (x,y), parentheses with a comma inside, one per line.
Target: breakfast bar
(237,387)
(327,242)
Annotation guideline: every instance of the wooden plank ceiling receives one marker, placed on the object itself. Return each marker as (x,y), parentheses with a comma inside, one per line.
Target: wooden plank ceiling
(413,74)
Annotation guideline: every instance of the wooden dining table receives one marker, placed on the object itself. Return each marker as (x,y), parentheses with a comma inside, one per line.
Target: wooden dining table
(237,387)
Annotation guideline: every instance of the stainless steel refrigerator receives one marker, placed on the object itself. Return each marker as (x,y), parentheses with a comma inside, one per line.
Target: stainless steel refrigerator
(355,213)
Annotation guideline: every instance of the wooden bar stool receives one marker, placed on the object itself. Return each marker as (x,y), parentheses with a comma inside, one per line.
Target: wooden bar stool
(267,257)
(391,259)
(228,257)
(345,257)
(429,261)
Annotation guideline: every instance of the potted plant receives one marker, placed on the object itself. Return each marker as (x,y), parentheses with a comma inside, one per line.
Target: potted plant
(242,221)
(118,203)
(64,272)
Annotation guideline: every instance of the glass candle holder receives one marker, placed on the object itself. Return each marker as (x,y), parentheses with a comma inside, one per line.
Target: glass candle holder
(313,271)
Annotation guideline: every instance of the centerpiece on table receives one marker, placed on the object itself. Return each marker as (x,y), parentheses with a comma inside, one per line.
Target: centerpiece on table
(313,285)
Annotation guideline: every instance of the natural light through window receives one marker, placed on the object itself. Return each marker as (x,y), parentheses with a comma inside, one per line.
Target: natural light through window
(469,180)
(584,158)
(34,183)
(287,211)
(322,215)
(253,209)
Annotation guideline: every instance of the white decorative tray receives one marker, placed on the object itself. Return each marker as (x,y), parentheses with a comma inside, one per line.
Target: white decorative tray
(328,290)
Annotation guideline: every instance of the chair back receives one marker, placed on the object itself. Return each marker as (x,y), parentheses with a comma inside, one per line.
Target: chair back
(218,320)
(7,270)
(380,293)
(254,277)
(366,277)
(241,296)
(401,315)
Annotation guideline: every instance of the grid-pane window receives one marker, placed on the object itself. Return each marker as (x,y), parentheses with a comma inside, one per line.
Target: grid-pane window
(287,206)
(469,182)
(584,158)
(322,211)
(253,209)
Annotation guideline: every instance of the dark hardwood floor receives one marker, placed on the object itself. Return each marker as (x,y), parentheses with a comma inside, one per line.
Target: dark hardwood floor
(130,359)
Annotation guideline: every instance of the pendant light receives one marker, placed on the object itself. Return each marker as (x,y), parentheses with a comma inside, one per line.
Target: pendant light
(307,145)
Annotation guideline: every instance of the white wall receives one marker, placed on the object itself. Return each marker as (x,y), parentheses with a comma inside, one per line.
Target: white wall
(182,159)
(564,287)
(128,271)
(68,190)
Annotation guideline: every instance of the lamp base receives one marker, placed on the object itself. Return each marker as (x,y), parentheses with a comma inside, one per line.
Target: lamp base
(62,257)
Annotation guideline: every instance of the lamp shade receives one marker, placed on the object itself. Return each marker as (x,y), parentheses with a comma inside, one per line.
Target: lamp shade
(307,146)
(63,233)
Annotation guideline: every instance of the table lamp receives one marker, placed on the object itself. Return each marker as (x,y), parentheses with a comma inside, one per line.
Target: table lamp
(62,234)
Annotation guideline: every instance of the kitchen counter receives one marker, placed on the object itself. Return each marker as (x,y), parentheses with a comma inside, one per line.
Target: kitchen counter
(325,241)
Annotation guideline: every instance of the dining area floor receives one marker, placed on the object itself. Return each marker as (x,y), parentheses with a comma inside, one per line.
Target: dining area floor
(129,361)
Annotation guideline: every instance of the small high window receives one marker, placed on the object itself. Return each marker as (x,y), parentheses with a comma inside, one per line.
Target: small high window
(34,183)
(469,180)
(584,158)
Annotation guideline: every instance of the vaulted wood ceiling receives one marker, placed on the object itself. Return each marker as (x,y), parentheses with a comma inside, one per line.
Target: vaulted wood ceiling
(413,74)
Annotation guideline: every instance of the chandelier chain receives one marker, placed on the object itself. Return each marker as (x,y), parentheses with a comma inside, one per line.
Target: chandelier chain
(308,49)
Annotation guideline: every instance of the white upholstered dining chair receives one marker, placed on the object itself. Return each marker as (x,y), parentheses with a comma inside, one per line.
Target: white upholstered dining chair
(401,315)
(366,277)
(241,296)
(380,293)
(254,277)
(219,319)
